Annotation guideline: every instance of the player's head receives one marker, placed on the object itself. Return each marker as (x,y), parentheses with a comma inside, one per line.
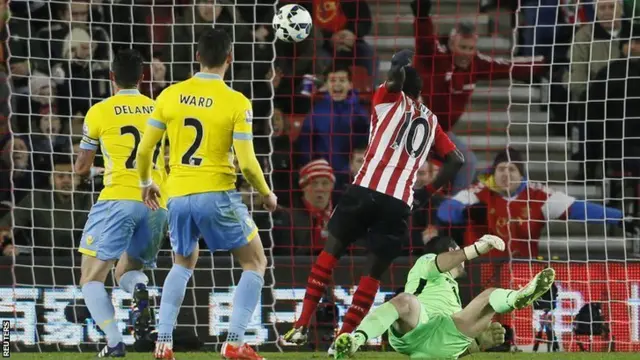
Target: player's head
(508,170)
(463,43)
(62,179)
(338,80)
(126,69)
(442,244)
(214,50)
(412,85)
(317,181)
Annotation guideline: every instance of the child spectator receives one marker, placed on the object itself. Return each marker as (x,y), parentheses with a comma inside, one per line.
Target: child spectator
(336,125)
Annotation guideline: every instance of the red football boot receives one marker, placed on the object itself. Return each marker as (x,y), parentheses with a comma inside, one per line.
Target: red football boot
(163,352)
(244,352)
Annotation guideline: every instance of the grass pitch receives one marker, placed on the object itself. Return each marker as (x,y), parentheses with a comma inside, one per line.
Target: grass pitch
(362,355)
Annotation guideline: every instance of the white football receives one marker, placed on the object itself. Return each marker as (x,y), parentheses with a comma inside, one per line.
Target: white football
(292,23)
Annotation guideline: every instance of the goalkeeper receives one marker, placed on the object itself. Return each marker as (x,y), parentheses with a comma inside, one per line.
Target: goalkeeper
(427,320)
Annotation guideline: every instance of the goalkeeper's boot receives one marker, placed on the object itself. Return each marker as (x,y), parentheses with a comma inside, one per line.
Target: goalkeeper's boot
(164,351)
(140,315)
(296,336)
(116,351)
(346,345)
(537,287)
(243,352)
(332,350)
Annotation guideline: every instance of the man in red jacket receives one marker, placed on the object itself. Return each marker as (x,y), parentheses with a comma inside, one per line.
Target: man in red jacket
(450,72)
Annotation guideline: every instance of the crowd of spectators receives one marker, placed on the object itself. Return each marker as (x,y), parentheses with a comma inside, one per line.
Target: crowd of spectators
(311,137)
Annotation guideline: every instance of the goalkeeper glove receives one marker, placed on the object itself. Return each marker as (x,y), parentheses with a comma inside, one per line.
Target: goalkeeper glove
(421,8)
(491,337)
(483,246)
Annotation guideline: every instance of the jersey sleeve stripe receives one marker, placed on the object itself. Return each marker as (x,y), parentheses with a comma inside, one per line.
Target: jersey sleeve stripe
(242,136)
(90,141)
(87,146)
(158,124)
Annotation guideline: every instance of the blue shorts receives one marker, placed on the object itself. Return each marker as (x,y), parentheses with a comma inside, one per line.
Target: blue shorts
(118,226)
(220,217)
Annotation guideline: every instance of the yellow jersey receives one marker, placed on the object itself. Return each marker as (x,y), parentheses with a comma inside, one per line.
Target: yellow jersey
(202,117)
(116,125)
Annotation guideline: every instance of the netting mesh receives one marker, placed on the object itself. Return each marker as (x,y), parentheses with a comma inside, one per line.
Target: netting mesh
(567,116)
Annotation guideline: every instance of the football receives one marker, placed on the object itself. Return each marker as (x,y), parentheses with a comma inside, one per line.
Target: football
(292,23)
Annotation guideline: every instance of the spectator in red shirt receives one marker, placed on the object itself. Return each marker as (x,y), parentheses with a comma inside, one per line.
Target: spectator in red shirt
(505,203)
(450,72)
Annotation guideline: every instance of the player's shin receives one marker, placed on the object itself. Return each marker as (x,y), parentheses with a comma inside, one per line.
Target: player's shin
(101,308)
(361,303)
(245,300)
(173,290)
(319,278)
(376,323)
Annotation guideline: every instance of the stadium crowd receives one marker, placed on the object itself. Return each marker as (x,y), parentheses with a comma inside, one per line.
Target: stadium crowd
(55,65)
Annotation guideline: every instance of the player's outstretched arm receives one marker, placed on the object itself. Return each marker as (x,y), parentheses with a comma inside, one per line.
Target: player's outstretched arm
(396,75)
(450,260)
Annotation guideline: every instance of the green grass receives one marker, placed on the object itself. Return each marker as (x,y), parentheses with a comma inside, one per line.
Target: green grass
(363,355)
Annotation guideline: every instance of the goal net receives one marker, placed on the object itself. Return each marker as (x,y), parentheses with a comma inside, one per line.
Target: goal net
(57,59)
(55,66)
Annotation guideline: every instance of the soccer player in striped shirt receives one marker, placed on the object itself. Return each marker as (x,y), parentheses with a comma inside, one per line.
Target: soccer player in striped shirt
(378,205)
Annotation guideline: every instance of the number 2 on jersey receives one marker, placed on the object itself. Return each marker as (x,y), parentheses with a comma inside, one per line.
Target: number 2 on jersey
(131,160)
(188,158)
(409,139)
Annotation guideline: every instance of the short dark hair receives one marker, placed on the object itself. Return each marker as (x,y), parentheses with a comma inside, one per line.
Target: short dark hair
(439,245)
(412,85)
(214,45)
(337,66)
(127,68)
(465,29)
(62,159)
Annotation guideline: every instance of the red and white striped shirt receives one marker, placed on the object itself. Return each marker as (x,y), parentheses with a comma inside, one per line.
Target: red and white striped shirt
(401,136)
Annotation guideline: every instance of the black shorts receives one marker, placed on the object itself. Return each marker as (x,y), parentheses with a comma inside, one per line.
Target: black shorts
(383,219)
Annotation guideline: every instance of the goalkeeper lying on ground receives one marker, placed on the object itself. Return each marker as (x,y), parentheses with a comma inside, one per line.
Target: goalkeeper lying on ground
(427,320)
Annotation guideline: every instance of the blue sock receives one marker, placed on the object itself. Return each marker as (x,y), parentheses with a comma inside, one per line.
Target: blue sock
(175,285)
(130,279)
(245,301)
(102,311)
